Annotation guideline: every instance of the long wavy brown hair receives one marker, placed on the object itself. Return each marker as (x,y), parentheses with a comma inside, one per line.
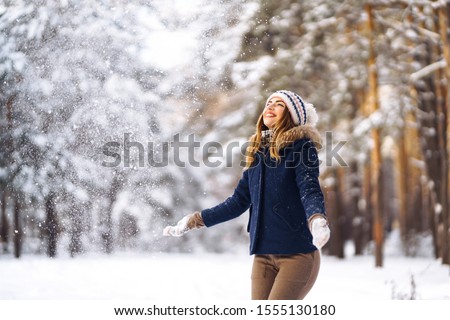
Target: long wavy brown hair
(255,143)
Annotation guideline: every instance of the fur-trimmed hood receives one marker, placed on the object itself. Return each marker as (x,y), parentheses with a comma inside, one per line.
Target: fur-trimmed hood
(297,133)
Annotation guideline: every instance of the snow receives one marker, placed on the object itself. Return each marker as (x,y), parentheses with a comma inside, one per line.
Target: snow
(170,49)
(201,276)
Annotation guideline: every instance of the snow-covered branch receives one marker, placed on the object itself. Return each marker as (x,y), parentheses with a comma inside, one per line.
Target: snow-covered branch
(404,27)
(407,3)
(426,71)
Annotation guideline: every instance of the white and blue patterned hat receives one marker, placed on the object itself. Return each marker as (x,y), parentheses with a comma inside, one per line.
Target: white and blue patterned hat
(302,113)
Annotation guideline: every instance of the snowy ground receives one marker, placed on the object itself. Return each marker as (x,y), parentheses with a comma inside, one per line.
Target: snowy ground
(209,276)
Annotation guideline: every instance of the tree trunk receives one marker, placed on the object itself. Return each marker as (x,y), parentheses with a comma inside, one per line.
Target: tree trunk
(51,225)
(403,170)
(75,246)
(339,217)
(8,150)
(4,224)
(444,26)
(358,219)
(388,193)
(375,158)
(18,232)
(367,205)
(107,223)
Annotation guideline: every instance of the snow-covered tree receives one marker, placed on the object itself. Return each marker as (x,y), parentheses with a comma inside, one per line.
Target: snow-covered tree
(90,98)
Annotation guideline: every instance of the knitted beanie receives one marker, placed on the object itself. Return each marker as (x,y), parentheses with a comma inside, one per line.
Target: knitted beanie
(301,113)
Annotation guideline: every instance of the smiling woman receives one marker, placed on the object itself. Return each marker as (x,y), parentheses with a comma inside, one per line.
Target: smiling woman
(280,187)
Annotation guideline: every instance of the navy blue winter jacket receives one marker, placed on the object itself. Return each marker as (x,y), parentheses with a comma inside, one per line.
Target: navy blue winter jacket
(281,196)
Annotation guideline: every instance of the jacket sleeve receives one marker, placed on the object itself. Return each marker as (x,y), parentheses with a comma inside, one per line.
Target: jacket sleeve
(307,178)
(232,207)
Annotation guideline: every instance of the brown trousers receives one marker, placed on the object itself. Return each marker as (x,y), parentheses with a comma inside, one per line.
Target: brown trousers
(284,277)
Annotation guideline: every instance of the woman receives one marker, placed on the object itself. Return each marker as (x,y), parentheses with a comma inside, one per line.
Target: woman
(280,187)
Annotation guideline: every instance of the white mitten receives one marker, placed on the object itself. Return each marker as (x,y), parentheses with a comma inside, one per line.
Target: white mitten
(320,232)
(189,222)
(178,230)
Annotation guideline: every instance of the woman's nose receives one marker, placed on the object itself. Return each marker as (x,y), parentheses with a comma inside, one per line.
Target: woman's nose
(270,105)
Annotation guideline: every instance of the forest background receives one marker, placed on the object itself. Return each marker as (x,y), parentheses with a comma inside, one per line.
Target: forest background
(86,82)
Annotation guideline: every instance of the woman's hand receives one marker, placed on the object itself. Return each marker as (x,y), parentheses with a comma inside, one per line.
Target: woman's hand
(189,222)
(320,232)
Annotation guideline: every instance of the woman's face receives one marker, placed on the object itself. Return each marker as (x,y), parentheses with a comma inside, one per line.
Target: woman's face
(273,112)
